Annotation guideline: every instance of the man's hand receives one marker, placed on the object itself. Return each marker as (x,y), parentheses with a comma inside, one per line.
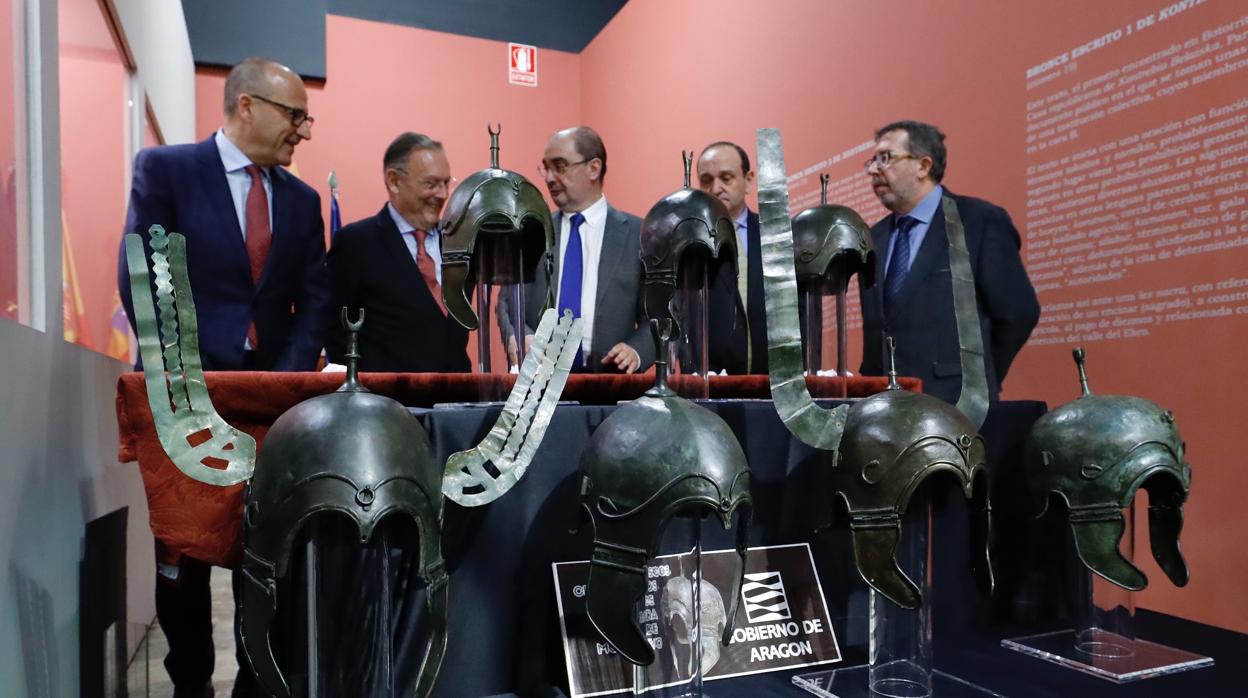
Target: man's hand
(511,349)
(624,357)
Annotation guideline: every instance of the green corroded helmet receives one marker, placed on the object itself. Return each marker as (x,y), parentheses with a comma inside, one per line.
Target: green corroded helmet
(684,221)
(1095,453)
(892,442)
(349,453)
(654,458)
(832,243)
(492,208)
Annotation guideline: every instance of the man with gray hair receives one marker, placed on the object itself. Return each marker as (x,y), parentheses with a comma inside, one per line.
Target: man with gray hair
(913,301)
(390,265)
(255,248)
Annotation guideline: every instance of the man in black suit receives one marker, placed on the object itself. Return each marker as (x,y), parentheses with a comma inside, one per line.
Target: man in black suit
(913,302)
(597,258)
(736,312)
(390,265)
(255,255)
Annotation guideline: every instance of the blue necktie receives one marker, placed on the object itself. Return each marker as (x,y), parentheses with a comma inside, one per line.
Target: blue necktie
(899,265)
(570,276)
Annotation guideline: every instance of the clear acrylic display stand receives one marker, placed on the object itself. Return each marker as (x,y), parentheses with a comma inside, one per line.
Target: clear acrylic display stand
(810,314)
(1103,642)
(810,308)
(689,655)
(499,257)
(687,356)
(900,650)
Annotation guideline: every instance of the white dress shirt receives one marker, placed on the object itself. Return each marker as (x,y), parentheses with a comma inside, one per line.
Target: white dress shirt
(433,241)
(240,182)
(592,231)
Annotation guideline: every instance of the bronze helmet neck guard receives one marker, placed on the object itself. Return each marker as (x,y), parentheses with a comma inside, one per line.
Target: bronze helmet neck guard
(492,207)
(352,453)
(684,221)
(1095,453)
(655,458)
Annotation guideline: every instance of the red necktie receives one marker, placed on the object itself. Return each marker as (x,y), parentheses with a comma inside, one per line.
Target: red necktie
(425,264)
(259,234)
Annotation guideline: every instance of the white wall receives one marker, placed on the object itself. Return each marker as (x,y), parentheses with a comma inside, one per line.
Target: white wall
(58,430)
(155,31)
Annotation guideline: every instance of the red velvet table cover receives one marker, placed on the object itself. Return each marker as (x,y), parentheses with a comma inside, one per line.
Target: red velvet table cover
(204,521)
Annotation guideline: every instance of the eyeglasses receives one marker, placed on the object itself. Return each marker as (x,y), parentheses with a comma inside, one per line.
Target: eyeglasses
(559,167)
(429,184)
(297,116)
(884,158)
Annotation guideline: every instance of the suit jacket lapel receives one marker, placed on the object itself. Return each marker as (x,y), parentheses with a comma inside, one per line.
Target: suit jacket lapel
(879,239)
(394,246)
(556,220)
(222,203)
(614,242)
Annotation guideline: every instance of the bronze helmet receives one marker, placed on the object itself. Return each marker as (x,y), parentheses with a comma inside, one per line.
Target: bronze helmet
(1095,453)
(680,222)
(892,442)
(499,207)
(831,243)
(351,453)
(652,459)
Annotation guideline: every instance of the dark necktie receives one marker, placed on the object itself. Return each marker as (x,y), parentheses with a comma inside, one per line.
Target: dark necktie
(259,234)
(425,264)
(570,277)
(899,265)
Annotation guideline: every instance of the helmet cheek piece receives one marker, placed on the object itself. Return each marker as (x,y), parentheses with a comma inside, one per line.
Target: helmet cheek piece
(1098,530)
(625,541)
(355,456)
(260,575)
(876,494)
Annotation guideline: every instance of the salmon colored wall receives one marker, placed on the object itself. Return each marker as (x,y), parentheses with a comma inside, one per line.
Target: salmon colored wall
(94,188)
(664,76)
(385,79)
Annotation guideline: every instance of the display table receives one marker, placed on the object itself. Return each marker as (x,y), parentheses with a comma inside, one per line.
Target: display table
(504,635)
(203,521)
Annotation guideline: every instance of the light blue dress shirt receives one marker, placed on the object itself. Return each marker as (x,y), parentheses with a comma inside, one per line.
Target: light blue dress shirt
(924,213)
(240,182)
(743,231)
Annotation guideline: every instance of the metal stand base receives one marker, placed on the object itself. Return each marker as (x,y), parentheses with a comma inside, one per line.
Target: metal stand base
(853,683)
(1107,655)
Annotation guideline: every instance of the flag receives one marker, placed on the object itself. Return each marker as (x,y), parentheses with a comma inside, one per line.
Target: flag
(76,329)
(335,214)
(119,332)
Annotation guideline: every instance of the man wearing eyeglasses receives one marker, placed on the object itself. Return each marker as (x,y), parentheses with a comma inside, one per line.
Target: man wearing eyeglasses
(390,266)
(913,299)
(598,263)
(255,250)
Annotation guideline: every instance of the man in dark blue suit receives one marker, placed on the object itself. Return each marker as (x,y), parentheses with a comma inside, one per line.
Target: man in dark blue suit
(736,312)
(914,301)
(256,261)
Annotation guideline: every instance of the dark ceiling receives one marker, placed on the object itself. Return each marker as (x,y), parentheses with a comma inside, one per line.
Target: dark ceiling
(564,25)
(223,32)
